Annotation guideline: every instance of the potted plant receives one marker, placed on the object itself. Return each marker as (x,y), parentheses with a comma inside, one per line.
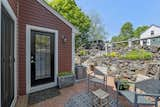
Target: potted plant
(123,83)
(65,79)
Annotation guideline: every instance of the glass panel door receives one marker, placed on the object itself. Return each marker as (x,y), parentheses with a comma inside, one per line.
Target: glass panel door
(7,62)
(42,57)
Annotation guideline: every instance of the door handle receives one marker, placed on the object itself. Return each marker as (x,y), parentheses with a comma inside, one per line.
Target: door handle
(11,59)
(32,57)
(32,61)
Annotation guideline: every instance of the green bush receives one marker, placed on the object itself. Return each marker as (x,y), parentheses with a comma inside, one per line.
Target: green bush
(124,85)
(82,53)
(137,55)
(66,73)
(112,54)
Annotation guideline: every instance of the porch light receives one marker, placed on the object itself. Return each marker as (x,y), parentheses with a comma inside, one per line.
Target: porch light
(64,39)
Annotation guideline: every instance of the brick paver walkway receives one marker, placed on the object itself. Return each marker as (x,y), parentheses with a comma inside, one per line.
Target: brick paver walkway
(79,87)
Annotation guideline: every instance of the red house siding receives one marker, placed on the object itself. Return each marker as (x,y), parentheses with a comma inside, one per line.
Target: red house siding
(33,13)
(14,5)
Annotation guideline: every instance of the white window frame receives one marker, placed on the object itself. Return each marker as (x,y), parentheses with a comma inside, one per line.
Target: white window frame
(13,16)
(29,88)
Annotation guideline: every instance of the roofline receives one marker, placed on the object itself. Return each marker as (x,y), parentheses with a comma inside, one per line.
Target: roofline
(155,25)
(58,15)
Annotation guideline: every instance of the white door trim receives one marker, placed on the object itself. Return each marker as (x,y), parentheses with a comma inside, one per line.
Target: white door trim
(13,16)
(73,52)
(30,89)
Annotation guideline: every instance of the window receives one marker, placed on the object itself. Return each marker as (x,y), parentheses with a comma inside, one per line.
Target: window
(152,32)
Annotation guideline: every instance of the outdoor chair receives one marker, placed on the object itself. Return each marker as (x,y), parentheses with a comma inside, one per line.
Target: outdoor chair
(95,78)
(150,95)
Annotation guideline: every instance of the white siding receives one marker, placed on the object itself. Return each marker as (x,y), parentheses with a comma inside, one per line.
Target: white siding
(147,33)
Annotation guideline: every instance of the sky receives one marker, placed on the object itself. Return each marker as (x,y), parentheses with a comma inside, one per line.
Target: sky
(114,13)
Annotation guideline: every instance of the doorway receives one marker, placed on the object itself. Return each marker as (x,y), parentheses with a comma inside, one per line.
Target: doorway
(7,58)
(42,57)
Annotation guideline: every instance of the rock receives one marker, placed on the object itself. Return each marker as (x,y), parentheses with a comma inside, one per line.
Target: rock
(127,67)
(83,58)
(154,49)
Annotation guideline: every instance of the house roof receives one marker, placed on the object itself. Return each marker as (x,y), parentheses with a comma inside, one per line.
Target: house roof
(44,4)
(153,25)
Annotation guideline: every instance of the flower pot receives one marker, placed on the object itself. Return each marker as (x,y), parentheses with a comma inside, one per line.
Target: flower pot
(80,72)
(65,81)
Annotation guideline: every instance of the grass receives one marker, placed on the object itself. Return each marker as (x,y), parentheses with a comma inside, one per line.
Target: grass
(137,55)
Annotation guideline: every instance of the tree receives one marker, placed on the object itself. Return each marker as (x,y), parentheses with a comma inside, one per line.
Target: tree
(126,31)
(97,29)
(115,39)
(70,11)
(140,30)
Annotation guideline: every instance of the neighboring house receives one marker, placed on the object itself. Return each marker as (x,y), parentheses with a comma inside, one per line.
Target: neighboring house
(35,44)
(151,37)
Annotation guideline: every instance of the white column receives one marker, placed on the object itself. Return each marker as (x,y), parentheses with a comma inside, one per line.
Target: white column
(148,42)
(111,47)
(141,42)
(130,43)
(106,48)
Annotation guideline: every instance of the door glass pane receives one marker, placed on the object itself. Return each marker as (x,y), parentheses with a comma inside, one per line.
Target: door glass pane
(42,57)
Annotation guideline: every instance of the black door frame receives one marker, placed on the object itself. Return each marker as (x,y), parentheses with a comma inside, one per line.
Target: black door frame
(35,82)
(7,6)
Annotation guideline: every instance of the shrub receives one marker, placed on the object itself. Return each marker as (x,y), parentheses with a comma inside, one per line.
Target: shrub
(82,53)
(66,73)
(137,55)
(112,54)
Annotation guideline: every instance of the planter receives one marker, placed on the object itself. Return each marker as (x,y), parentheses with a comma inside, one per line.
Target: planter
(81,72)
(65,81)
